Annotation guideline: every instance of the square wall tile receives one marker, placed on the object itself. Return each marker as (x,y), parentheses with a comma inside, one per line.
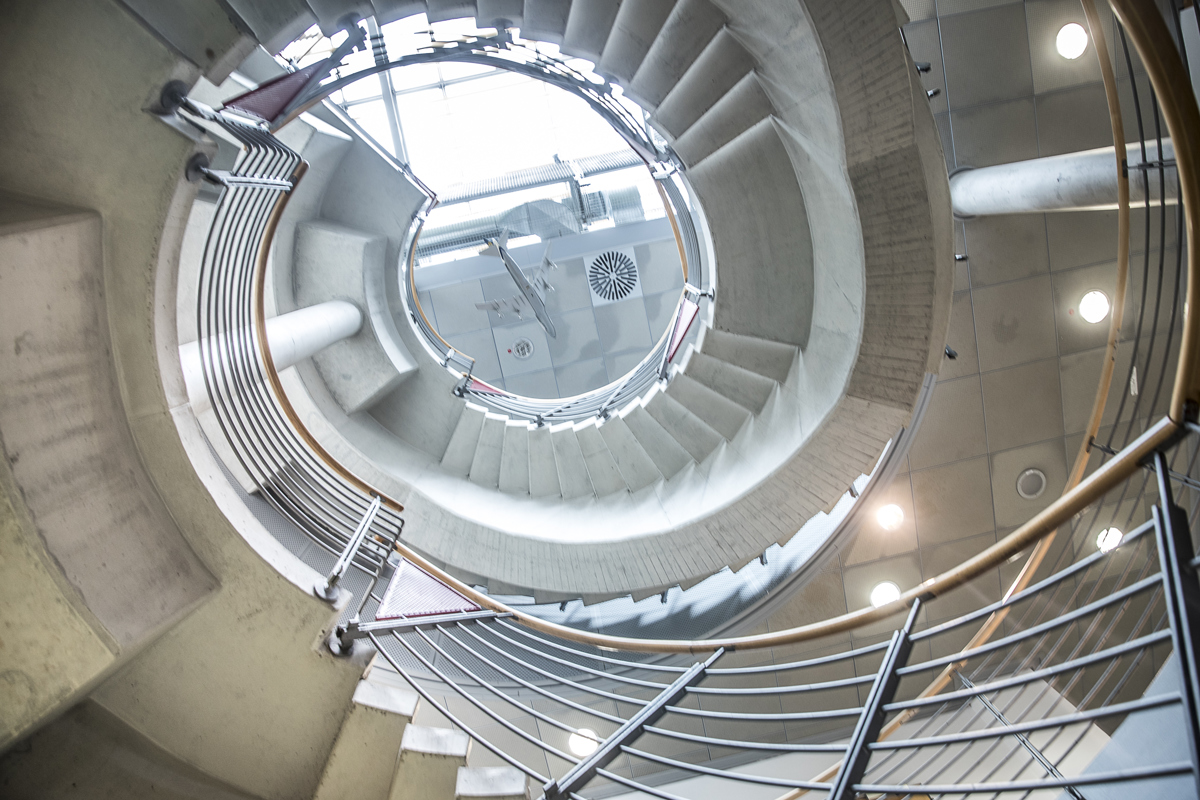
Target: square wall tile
(581,376)
(1072,120)
(659,267)
(961,338)
(623,325)
(987,56)
(1024,404)
(1011,508)
(952,428)
(570,287)
(998,133)
(1074,332)
(1007,248)
(455,308)
(1014,323)
(947,7)
(977,593)
(620,363)
(533,384)
(480,346)
(919,9)
(660,309)
(1050,69)
(872,542)
(1081,238)
(510,365)
(953,501)
(577,339)
(904,571)
(925,43)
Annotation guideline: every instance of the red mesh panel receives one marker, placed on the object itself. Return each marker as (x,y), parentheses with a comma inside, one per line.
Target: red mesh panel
(413,592)
(687,315)
(272,97)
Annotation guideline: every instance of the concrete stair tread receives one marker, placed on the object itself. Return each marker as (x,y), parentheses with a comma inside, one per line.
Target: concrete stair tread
(739,109)
(602,468)
(638,469)
(514,459)
(488,11)
(460,452)
(442,10)
(362,760)
(428,764)
(720,413)
(746,388)
(718,68)
(573,478)
(637,24)
(543,471)
(485,466)
(546,20)
(391,10)
(497,783)
(692,433)
(768,358)
(667,454)
(588,26)
(689,28)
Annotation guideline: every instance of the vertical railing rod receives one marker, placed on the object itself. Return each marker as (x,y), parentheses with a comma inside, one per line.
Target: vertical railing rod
(1038,755)
(1181,589)
(870,723)
(328,589)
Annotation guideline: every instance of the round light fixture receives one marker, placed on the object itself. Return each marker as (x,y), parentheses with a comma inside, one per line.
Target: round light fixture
(522,348)
(1071,41)
(583,742)
(1093,307)
(1108,539)
(884,593)
(890,516)
(1031,483)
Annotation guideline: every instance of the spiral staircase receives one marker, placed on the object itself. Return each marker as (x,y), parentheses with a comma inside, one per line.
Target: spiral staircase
(197,660)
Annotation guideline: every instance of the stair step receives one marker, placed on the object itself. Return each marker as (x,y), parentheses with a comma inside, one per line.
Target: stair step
(691,25)
(391,10)
(485,466)
(442,10)
(546,20)
(744,105)
(668,455)
(748,389)
(638,470)
(429,761)
(588,27)
(719,412)
(693,434)
(767,358)
(568,458)
(494,783)
(488,11)
(602,467)
(460,452)
(543,472)
(514,459)
(362,761)
(716,70)
(637,24)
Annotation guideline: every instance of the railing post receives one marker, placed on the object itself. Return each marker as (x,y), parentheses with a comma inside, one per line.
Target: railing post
(1182,592)
(610,748)
(327,589)
(870,722)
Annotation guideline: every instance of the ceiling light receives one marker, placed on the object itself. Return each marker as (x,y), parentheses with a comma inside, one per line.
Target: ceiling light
(583,742)
(1108,539)
(1031,483)
(1094,306)
(1072,41)
(890,516)
(884,593)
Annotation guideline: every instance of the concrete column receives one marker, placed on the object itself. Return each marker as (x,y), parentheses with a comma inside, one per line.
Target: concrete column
(293,337)
(1085,181)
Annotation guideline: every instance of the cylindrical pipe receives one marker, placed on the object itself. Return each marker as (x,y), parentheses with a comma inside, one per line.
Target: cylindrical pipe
(293,337)
(1084,181)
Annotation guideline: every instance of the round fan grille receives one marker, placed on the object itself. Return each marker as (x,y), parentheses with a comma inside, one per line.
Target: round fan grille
(612,275)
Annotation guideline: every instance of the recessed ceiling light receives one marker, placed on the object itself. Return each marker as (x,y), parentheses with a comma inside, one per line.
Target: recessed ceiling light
(890,516)
(583,742)
(1031,483)
(1071,41)
(884,593)
(1093,307)
(1108,539)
